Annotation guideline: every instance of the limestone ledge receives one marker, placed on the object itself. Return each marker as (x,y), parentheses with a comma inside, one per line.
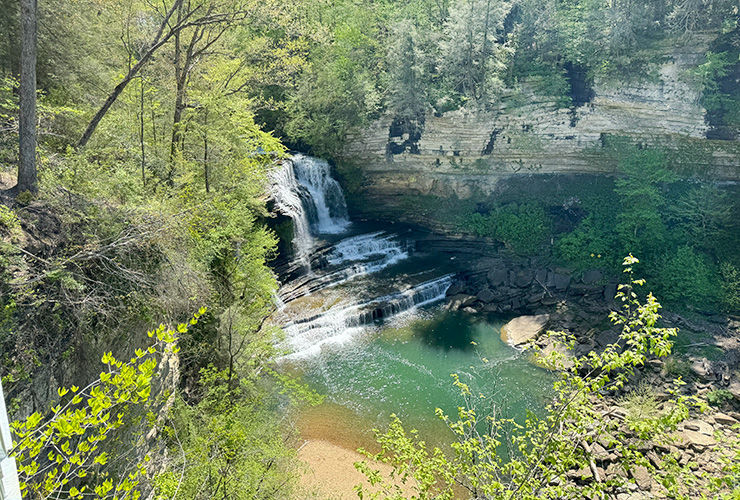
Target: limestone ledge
(466,150)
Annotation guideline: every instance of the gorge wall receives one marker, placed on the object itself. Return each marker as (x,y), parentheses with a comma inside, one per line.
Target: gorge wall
(528,140)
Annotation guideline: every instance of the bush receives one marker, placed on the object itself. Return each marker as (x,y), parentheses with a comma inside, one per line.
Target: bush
(731,287)
(688,279)
(719,397)
(675,367)
(522,228)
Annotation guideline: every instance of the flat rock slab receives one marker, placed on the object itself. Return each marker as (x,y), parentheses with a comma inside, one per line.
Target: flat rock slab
(694,439)
(521,330)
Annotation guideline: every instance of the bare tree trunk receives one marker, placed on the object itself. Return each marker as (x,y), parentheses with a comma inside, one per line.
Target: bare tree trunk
(141,133)
(205,151)
(27,180)
(159,40)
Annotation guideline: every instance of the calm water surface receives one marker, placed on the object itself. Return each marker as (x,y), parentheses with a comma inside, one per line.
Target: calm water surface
(404,367)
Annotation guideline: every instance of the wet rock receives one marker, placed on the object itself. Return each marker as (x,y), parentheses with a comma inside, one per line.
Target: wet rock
(592,276)
(610,291)
(520,330)
(540,277)
(586,289)
(457,302)
(455,288)
(535,297)
(486,296)
(498,277)
(522,278)
(558,281)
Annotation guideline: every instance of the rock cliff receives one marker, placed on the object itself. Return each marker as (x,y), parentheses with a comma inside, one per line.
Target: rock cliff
(469,153)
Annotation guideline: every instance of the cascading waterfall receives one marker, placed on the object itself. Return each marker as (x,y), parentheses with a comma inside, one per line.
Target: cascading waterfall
(339,324)
(304,190)
(368,245)
(350,258)
(287,195)
(325,204)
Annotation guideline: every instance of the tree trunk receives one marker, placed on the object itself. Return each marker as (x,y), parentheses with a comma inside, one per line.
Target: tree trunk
(160,39)
(205,152)
(27,180)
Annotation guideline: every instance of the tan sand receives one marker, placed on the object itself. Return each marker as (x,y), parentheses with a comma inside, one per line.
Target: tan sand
(331,471)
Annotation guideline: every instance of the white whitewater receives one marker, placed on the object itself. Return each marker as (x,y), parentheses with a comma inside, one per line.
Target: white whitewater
(304,190)
(368,245)
(326,205)
(351,258)
(286,191)
(342,323)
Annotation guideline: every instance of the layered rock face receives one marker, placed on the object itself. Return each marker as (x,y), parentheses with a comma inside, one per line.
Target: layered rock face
(468,153)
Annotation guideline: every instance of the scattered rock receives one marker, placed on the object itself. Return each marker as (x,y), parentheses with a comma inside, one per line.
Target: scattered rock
(702,368)
(724,419)
(521,330)
(486,296)
(498,277)
(699,426)
(457,302)
(455,289)
(559,281)
(696,440)
(642,477)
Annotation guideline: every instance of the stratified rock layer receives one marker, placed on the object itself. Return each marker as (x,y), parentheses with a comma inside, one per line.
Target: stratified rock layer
(470,153)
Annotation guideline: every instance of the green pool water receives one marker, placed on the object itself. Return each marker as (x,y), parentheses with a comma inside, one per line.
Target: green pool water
(404,367)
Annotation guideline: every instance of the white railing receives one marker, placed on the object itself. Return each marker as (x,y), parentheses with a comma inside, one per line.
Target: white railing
(9,489)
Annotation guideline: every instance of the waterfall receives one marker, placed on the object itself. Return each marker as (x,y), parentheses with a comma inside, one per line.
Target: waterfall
(288,195)
(341,323)
(367,245)
(304,190)
(325,204)
(350,258)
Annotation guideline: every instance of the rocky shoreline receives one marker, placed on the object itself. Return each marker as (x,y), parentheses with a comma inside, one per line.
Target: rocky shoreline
(543,298)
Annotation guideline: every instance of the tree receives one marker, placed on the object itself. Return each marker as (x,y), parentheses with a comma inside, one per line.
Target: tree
(27,179)
(499,458)
(640,223)
(189,15)
(64,454)
(473,53)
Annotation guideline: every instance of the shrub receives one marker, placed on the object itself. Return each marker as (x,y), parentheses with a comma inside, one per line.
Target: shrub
(719,397)
(676,367)
(688,279)
(522,228)
(731,287)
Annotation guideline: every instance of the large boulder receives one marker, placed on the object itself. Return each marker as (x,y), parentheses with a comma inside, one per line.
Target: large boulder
(521,330)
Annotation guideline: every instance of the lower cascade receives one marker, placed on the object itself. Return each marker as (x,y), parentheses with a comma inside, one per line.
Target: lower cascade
(341,323)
